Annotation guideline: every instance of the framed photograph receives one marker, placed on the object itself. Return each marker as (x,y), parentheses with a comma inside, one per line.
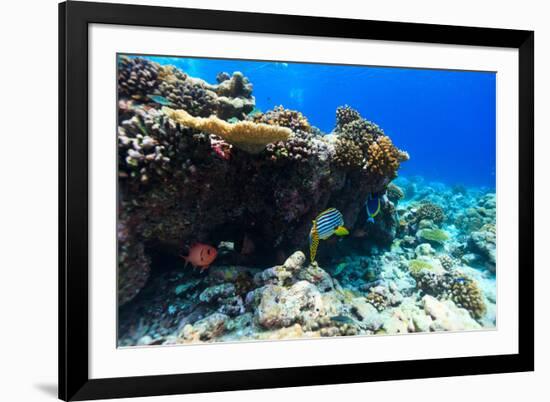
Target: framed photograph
(257,201)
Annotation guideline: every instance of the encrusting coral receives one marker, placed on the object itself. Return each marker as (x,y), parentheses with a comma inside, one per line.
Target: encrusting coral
(248,136)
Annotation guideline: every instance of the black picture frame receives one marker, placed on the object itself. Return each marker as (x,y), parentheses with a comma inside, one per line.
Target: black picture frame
(74,19)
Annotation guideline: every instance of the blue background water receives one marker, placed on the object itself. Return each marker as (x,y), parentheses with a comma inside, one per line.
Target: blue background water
(446,120)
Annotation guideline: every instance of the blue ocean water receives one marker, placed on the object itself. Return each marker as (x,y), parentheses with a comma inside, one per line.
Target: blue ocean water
(445,120)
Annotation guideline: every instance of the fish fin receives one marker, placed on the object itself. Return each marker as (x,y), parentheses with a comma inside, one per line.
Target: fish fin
(371,219)
(377,208)
(186,258)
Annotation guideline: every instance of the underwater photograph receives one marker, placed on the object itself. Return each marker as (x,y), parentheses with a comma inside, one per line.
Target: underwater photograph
(277,200)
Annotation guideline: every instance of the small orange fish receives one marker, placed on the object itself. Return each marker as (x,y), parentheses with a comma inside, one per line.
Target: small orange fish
(200,256)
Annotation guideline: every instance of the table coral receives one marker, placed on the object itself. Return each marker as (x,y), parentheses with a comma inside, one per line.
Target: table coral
(248,136)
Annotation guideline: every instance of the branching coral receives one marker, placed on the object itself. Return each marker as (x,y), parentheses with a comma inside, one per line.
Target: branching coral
(384,158)
(137,77)
(465,292)
(461,289)
(300,146)
(248,136)
(345,115)
(191,96)
(361,143)
(149,144)
(280,116)
(348,154)
(362,132)
(446,261)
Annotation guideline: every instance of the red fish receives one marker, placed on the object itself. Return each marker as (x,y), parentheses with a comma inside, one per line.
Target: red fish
(200,256)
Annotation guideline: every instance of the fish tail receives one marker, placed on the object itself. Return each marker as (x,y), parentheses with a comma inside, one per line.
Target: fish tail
(314,243)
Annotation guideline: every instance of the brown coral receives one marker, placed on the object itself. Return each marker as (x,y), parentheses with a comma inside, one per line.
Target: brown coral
(137,77)
(236,86)
(345,115)
(280,116)
(394,193)
(465,292)
(430,211)
(348,154)
(248,136)
(377,300)
(384,158)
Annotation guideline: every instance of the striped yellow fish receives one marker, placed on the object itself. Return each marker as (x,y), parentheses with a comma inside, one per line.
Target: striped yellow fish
(328,222)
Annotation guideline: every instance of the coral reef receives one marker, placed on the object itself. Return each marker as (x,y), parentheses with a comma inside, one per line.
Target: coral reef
(142,79)
(198,163)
